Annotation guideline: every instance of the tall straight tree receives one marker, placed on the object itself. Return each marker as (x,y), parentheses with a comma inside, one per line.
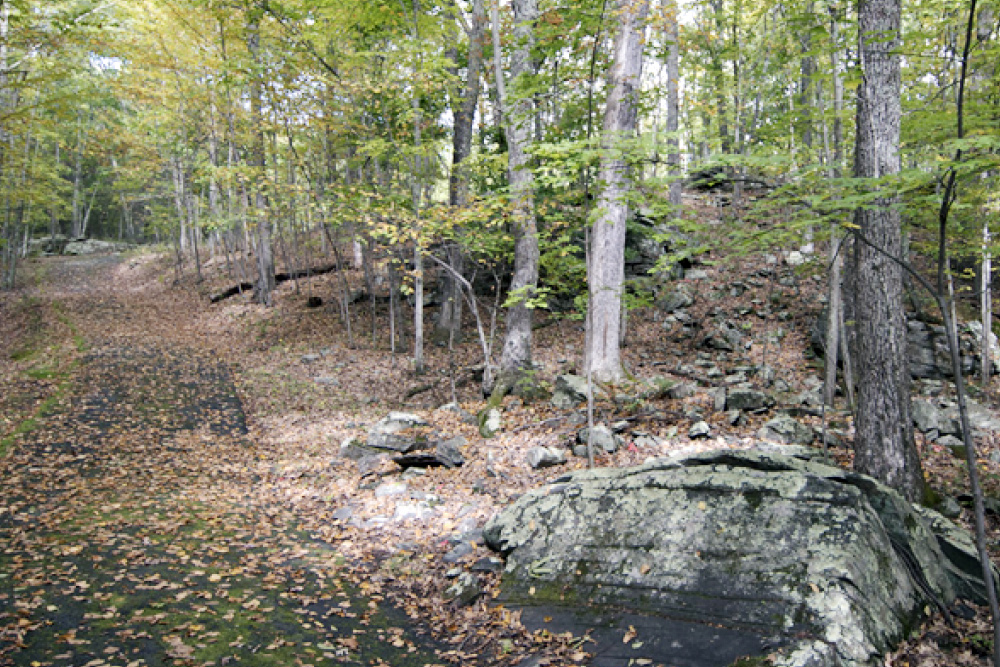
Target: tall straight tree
(265,255)
(464,111)
(884,446)
(517,108)
(606,272)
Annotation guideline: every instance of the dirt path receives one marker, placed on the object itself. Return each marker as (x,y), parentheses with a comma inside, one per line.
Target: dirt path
(129,528)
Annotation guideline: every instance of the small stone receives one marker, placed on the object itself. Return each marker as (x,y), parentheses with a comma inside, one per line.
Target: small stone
(733,417)
(464,591)
(696,274)
(458,552)
(682,390)
(487,564)
(489,422)
(343,514)
(788,430)
(718,395)
(700,429)
(956,446)
(390,489)
(309,358)
(413,511)
(327,380)
(370,463)
(795,258)
(544,457)
(603,438)
(748,399)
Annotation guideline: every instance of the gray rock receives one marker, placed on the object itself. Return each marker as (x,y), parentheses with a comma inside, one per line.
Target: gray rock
(487,564)
(87,247)
(327,381)
(925,415)
(795,258)
(571,390)
(682,390)
(718,395)
(464,591)
(390,489)
(311,357)
(963,566)
(449,452)
(544,457)
(458,552)
(748,399)
(399,432)
(707,545)
(696,274)
(675,300)
(343,514)
(490,422)
(456,409)
(949,508)
(700,429)
(369,463)
(604,439)
(787,430)
(413,512)
(956,446)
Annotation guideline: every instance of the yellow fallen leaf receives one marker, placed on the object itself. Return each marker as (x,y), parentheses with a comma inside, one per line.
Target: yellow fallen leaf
(630,635)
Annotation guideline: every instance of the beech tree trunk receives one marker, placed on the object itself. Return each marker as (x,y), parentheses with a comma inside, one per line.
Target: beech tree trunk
(884,445)
(606,270)
(516,356)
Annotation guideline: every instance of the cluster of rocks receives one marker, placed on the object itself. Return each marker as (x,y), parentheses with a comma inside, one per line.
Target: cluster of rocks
(62,245)
(735,400)
(408,440)
(927,348)
(938,419)
(721,556)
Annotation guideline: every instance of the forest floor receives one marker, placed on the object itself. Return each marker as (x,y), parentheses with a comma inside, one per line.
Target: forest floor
(172,490)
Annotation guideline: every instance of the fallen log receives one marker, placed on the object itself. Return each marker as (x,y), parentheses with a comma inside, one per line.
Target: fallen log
(278,278)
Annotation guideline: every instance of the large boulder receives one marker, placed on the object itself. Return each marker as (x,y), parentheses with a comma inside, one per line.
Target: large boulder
(726,555)
(83,246)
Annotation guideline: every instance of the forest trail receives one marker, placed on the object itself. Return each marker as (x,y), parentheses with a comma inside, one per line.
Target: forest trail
(130,530)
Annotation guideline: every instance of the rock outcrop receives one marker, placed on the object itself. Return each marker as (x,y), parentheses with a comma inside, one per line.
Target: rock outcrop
(731,554)
(927,348)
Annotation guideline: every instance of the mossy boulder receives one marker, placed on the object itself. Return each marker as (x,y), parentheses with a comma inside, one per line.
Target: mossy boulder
(731,554)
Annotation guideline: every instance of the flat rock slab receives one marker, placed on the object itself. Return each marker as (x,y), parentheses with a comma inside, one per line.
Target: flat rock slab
(751,549)
(664,641)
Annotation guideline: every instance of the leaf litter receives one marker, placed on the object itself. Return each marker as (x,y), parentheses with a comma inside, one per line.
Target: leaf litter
(184,502)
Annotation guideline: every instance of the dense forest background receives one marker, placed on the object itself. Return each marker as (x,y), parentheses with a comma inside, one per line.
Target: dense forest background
(508,149)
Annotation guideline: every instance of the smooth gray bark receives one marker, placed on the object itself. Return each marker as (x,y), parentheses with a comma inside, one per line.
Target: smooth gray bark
(673,106)
(264,288)
(516,356)
(884,446)
(606,270)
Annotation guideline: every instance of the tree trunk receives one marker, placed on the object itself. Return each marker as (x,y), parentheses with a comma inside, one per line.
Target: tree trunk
(449,322)
(606,270)
(884,445)
(673,106)
(264,289)
(516,356)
